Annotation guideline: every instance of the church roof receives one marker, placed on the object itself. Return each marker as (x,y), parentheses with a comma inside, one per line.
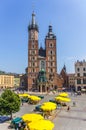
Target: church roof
(42,52)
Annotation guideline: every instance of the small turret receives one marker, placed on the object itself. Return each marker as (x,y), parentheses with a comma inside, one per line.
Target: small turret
(50,34)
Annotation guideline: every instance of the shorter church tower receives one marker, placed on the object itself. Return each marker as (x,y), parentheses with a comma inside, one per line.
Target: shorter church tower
(51,60)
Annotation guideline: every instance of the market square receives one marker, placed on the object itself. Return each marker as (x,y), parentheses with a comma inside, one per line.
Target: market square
(73,119)
(42,65)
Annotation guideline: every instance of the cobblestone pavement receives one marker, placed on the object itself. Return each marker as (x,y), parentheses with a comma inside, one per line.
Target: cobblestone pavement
(75,119)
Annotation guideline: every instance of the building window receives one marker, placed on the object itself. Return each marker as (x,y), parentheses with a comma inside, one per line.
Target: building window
(33,69)
(33,58)
(84,74)
(78,69)
(78,74)
(51,45)
(51,52)
(78,81)
(84,69)
(84,81)
(51,70)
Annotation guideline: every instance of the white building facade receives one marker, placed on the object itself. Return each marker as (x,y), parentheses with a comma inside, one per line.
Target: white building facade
(80,75)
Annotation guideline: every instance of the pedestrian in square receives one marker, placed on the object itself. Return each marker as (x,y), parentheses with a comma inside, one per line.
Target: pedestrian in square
(68,108)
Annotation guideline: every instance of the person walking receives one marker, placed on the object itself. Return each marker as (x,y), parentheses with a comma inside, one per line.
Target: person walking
(74,104)
(68,108)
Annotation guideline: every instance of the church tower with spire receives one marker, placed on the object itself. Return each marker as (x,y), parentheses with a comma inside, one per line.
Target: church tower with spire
(33,52)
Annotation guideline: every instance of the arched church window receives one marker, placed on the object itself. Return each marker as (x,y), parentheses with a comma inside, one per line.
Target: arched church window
(33,58)
(50,52)
(51,45)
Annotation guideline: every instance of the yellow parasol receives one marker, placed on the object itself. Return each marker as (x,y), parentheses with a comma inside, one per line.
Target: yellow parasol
(66,100)
(48,107)
(41,125)
(35,98)
(32,117)
(49,103)
(62,99)
(24,95)
(63,94)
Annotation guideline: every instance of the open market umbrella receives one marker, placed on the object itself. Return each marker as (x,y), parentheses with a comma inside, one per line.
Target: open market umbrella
(35,98)
(48,107)
(24,95)
(32,117)
(49,103)
(66,100)
(63,94)
(41,125)
(62,99)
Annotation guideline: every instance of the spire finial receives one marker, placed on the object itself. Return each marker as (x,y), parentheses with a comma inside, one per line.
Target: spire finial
(33,18)
(33,24)
(50,28)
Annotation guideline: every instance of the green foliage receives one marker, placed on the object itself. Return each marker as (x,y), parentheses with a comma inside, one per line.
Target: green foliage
(9,103)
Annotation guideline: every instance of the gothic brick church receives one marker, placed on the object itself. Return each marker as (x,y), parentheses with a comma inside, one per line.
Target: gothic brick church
(42,63)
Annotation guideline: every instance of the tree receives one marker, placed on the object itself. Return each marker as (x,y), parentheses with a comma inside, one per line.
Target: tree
(9,103)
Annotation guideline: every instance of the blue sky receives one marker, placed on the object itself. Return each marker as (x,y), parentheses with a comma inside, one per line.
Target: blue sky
(68,18)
